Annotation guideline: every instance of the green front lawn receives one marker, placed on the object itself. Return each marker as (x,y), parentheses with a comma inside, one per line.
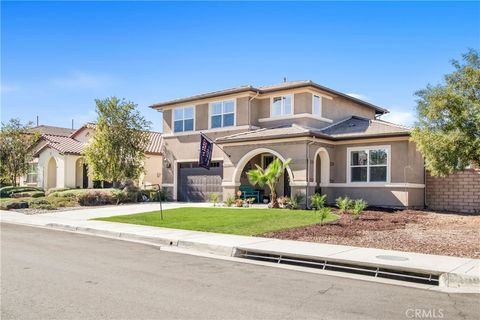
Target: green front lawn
(225,220)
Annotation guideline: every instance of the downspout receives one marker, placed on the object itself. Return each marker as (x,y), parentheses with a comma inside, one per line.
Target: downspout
(308,173)
(249,106)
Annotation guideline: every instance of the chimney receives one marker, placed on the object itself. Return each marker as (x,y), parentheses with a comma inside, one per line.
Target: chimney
(37,121)
(72,124)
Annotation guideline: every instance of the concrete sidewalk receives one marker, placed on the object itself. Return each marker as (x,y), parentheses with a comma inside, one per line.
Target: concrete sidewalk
(453,272)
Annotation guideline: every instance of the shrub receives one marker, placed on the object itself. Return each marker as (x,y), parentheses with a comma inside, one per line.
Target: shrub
(63,202)
(283,201)
(214,198)
(7,192)
(344,204)
(324,213)
(229,201)
(96,198)
(296,200)
(15,205)
(151,194)
(165,194)
(54,190)
(42,204)
(65,194)
(358,208)
(318,201)
(30,194)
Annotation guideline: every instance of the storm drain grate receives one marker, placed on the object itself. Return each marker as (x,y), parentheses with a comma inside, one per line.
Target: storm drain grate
(376,272)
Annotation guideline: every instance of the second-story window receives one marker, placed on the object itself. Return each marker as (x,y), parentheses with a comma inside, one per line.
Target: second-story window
(317,106)
(183,119)
(222,114)
(282,106)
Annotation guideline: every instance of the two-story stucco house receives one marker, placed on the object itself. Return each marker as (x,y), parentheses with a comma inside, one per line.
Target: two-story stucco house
(337,144)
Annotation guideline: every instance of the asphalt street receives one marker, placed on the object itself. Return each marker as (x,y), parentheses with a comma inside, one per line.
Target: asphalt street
(48,274)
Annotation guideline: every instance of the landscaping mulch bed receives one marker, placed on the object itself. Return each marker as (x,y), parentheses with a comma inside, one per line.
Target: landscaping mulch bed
(406,230)
(32,211)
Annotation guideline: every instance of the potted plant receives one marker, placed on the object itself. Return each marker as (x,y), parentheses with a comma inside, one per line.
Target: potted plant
(239,203)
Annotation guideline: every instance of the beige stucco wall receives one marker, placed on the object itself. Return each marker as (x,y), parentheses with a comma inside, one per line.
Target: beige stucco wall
(404,156)
(201,117)
(84,134)
(302,102)
(43,169)
(167,121)
(340,108)
(335,109)
(391,197)
(153,169)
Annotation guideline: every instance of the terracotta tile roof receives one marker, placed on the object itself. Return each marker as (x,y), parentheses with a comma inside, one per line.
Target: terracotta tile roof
(351,128)
(69,145)
(269,89)
(155,142)
(65,145)
(57,131)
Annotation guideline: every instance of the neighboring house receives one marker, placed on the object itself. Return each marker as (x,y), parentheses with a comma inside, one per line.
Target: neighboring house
(337,144)
(58,160)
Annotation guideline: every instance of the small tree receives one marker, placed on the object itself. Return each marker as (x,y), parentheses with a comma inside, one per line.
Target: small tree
(269,177)
(318,201)
(358,206)
(16,141)
(448,129)
(117,150)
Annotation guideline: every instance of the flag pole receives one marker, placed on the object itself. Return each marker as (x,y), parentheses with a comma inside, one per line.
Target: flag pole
(206,137)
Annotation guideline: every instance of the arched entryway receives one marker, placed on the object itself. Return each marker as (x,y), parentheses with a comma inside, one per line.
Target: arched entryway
(322,167)
(261,157)
(81,174)
(51,173)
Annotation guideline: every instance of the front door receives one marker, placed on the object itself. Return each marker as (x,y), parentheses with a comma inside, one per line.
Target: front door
(85,176)
(286,184)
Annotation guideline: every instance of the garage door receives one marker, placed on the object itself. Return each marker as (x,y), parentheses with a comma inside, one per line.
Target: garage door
(196,183)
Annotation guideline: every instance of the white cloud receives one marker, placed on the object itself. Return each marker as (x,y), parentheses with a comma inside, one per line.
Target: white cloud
(84,80)
(8,88)
(358,96)
(406,118)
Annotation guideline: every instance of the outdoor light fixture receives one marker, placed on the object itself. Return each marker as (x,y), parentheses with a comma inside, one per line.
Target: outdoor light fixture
(166,163)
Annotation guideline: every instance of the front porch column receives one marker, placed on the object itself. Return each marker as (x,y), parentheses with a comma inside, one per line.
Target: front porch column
(229,190)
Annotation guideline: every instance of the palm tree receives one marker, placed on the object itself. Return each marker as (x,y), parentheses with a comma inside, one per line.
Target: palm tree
(268,176)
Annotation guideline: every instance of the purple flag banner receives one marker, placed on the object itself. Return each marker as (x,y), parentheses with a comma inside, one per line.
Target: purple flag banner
(206,148)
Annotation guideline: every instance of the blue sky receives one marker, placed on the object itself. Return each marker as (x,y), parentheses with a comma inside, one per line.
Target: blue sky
(57,57)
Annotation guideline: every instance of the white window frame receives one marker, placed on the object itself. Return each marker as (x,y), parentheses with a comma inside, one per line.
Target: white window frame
(292,96)
(173,119)
(210,106)
(263,159)
(320,105)
(367,149)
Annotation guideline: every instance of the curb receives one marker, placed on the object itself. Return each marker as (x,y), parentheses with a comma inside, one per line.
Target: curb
(457,278)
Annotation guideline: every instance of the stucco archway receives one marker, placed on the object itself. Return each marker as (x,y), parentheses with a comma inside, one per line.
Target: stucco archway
(51,173)
(244,160)
(324,167)
(79,174)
